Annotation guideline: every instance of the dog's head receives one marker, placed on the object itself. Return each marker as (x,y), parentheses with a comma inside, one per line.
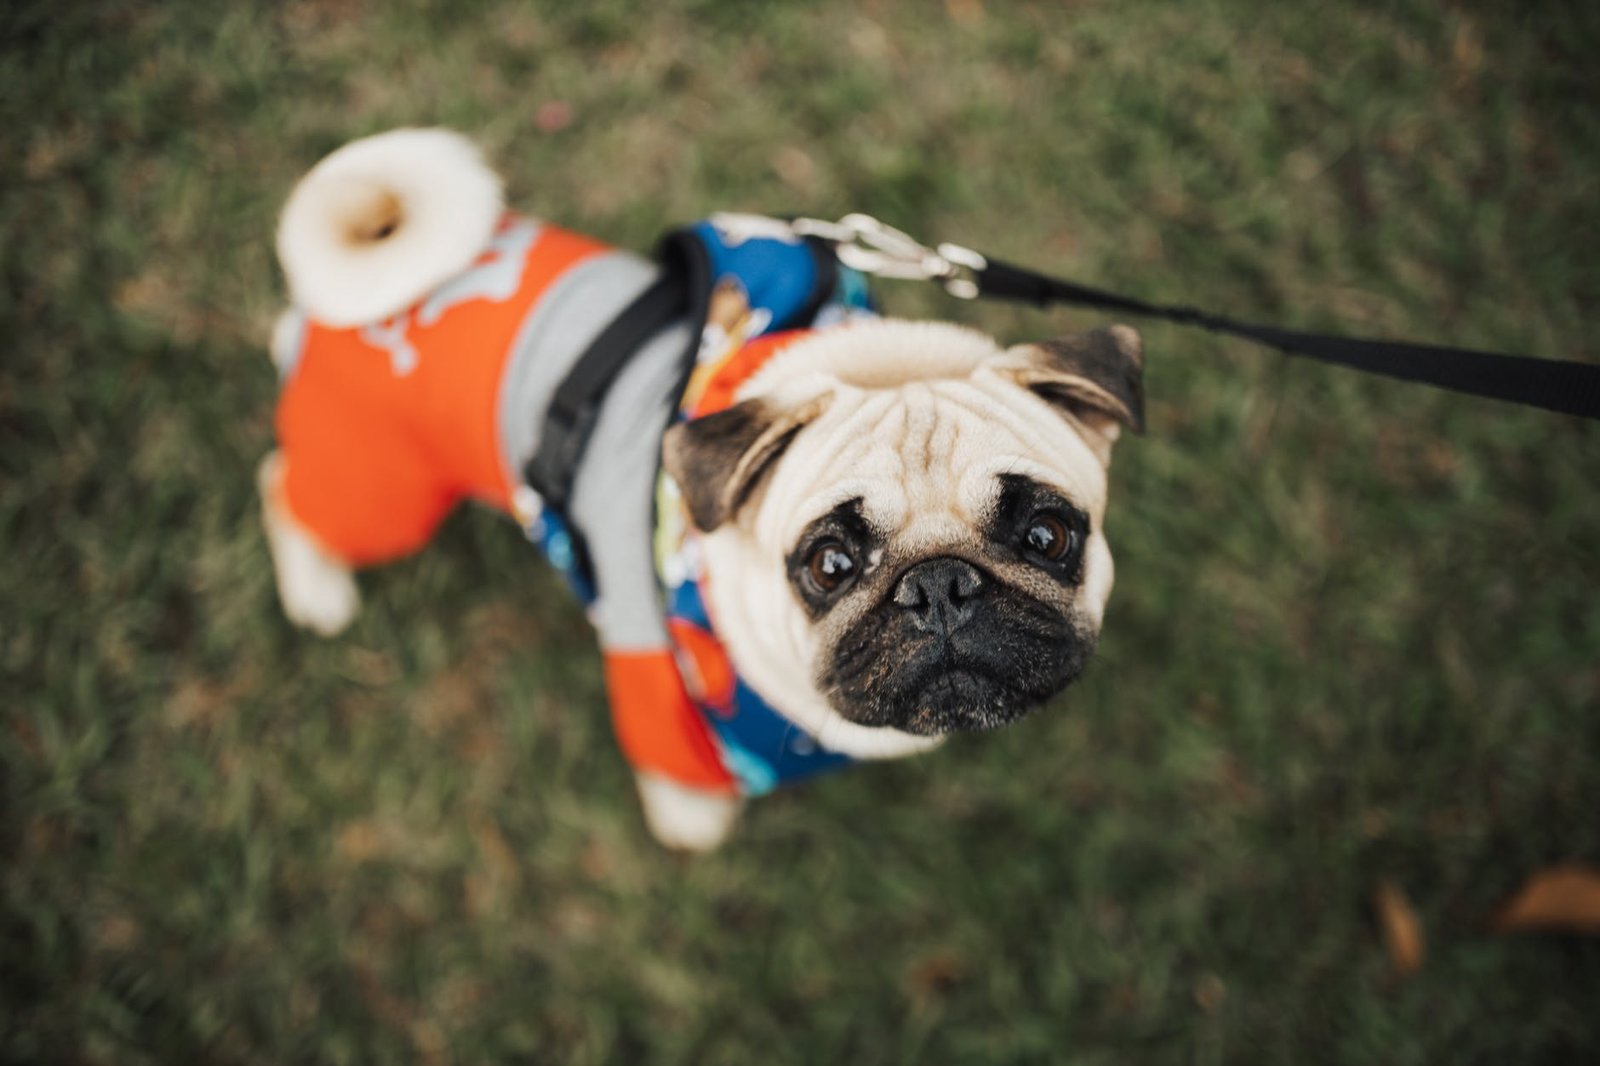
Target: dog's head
(903,524)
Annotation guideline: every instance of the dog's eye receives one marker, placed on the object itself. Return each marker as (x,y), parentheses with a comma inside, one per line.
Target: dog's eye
(830,565)
(1049,537)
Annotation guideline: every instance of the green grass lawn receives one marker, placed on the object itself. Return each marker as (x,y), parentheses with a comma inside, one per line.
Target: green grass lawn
(1355,637)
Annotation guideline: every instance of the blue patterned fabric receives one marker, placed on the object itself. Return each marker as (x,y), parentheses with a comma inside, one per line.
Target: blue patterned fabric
(763,280)
(777,276)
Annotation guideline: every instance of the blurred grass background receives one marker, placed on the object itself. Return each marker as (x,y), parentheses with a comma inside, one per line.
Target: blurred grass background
(1354,637)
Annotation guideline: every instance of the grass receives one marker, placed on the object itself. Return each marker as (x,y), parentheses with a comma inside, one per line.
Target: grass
(1354,637)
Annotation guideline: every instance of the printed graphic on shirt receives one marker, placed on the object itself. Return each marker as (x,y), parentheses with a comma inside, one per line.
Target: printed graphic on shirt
(495,277)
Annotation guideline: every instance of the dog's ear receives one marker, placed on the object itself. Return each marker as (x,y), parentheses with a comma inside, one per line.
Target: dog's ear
(1096,377)
(718,459)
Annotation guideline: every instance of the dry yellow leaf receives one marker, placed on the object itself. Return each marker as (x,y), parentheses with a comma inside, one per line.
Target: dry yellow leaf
(1557,899)
(1402,931)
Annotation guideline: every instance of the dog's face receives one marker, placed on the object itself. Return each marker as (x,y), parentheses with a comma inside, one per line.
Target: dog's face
(903,524)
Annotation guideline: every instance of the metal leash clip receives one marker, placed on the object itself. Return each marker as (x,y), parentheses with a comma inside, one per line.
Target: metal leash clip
(872,247)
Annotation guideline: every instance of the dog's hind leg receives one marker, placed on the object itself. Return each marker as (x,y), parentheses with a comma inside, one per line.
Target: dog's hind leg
(317,591)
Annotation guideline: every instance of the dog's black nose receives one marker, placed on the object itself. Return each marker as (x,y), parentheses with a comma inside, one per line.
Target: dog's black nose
(940,594)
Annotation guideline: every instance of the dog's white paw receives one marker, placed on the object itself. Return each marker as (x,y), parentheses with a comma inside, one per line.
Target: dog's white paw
(317,591)
(684,818)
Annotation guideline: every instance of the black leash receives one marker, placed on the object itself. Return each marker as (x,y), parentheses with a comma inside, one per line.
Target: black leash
(1562,386)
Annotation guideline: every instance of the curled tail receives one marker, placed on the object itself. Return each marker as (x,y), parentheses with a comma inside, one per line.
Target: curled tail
(384,220)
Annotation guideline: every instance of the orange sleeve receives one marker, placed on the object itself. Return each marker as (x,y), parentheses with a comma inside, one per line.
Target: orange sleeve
(657,726)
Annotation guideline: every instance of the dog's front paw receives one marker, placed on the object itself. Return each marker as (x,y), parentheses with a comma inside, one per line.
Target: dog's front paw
(684,818)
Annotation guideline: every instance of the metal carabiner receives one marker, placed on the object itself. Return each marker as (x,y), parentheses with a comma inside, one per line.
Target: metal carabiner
(873,247)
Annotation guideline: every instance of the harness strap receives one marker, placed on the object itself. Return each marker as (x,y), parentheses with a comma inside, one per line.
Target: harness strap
(680,290)
(784,276)
(573,410)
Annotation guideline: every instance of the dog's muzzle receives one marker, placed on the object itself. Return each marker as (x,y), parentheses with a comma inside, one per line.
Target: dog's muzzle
(952,649)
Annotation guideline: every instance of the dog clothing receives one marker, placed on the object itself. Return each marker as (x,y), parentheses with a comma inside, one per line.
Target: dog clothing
(385,428)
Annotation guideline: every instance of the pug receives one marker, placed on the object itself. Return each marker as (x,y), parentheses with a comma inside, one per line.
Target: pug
(880,533)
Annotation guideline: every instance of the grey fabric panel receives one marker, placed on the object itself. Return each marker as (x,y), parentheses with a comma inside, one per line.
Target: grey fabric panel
(568,316)
(613,499)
